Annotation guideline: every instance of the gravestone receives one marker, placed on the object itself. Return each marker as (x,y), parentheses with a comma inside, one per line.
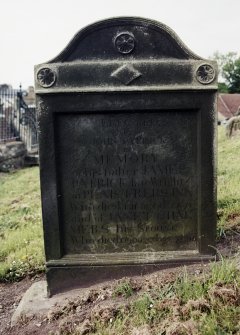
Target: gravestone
(233,126)
(127,153)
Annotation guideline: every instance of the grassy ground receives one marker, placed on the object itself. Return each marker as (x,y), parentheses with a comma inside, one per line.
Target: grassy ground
(196,300)
(228,181)
(21,241)
(206,303)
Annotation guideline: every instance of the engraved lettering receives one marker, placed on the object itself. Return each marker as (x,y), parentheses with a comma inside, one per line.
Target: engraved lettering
(131,183)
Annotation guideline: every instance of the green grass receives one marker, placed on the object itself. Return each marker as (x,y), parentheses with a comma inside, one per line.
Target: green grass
(228,180)
(206,305)
(21,240)
(124,289)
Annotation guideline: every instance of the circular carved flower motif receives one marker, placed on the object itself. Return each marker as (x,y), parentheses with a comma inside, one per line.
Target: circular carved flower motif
(46,77)
(205,74)
(124,43)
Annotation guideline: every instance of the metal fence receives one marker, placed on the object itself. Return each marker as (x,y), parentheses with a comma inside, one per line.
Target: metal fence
(8,115)
(18,121)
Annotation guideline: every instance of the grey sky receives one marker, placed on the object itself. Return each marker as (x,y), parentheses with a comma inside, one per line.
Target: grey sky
(33,32)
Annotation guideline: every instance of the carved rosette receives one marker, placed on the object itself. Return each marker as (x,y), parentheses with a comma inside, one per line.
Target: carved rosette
(205,74)
(46,77)
(124,43)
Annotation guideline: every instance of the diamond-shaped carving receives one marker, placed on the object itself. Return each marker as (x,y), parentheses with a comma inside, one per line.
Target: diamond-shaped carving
(126,74)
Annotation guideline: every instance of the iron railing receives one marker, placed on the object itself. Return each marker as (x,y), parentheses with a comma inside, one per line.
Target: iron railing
(9,128)
(18,121)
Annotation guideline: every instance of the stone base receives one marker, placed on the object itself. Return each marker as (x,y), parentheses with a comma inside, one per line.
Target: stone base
(63,276)
(36,303)
(12,156)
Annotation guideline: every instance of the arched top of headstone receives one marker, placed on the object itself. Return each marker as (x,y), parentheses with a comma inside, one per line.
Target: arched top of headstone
(125,38)
(125,54)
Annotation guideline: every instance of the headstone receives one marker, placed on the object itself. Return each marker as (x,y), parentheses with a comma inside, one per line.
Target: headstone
(127,153)
(233,126)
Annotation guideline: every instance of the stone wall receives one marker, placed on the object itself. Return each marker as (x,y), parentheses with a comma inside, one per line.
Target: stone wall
(12,156)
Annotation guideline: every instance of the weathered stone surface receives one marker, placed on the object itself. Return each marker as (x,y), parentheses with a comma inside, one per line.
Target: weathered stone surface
(12,156)
(136,191)
(233,127)
(35,301)
(127,153)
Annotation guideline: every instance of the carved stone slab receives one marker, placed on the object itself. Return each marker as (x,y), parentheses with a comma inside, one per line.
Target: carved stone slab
(127,153)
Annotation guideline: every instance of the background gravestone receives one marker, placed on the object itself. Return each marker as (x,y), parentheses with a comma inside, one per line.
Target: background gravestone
(233,126)
(127,153)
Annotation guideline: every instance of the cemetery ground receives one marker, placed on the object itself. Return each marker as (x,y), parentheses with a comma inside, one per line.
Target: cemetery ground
(196,299)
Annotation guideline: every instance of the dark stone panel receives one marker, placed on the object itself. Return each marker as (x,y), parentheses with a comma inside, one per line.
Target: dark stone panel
(127,181)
